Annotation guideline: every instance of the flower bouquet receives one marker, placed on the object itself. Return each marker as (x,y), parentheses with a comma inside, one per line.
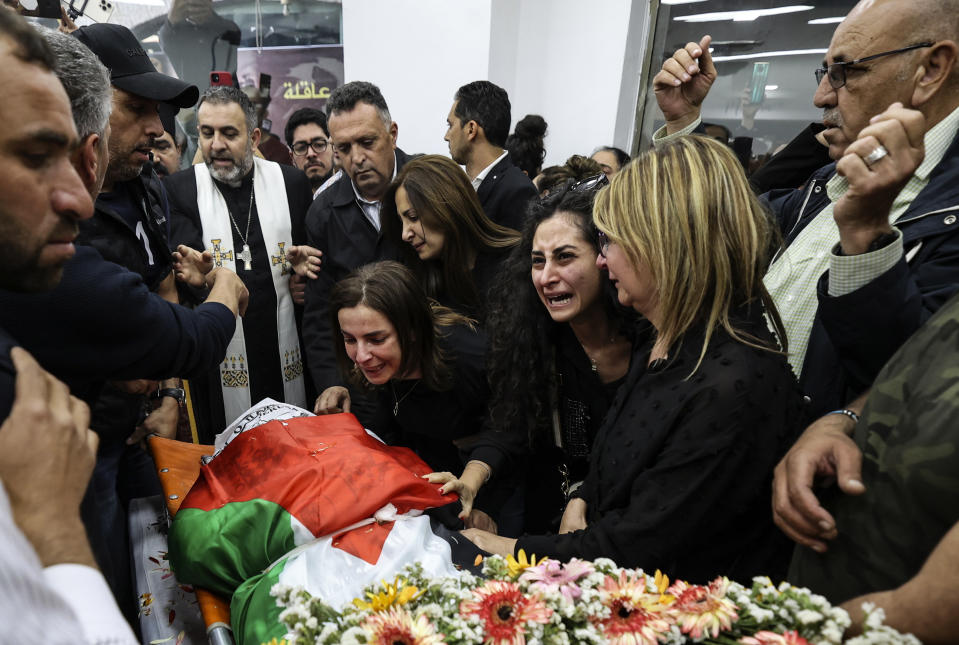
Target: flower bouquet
(523,601)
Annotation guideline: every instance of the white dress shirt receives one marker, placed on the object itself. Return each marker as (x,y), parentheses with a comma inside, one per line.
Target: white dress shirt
(60,604)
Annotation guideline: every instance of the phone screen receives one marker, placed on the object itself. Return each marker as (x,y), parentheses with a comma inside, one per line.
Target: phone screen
(757,83)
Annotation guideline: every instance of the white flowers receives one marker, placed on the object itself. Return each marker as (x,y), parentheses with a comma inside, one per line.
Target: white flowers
(462,610)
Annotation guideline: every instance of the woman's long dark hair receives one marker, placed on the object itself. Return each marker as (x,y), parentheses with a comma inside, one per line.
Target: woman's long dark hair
(522,335)
(391,289)
(444,199)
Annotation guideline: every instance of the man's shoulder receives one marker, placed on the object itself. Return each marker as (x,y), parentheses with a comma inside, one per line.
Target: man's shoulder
(296,180)
(507,177)
(338,194)
(181,183)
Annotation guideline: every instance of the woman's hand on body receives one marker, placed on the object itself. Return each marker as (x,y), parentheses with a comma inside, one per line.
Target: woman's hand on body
(490,542)
(574,517)
(333,400)
(466,486)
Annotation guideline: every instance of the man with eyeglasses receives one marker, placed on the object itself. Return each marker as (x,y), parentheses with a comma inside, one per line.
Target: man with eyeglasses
(871,252)
(309,139)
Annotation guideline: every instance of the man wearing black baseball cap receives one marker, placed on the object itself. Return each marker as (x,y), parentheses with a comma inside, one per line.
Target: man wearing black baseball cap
(129,227)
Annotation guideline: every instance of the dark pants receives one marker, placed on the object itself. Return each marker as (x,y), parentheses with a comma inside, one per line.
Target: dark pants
(122,473)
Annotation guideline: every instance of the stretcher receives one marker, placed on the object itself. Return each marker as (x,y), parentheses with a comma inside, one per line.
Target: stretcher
(178,466)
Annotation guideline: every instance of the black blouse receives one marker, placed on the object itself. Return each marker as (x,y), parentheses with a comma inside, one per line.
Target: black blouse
(447,428)
(680,472)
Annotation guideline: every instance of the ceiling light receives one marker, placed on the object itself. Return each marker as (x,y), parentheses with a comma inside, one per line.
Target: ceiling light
(746,15)
(680,1)
(826,21)
(790,52)
(772,88)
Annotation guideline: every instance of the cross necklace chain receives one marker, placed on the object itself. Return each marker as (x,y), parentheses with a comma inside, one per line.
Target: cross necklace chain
(245,254)
(397,401)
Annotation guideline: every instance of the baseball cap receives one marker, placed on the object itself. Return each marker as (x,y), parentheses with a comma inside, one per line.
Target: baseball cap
(130,67)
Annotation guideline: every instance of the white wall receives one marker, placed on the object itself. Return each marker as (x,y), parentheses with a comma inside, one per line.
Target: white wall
(418,52)
(563,59)
(566,64)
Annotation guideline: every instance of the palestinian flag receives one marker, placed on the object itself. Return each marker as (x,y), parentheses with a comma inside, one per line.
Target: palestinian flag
(313,480)
(338,568)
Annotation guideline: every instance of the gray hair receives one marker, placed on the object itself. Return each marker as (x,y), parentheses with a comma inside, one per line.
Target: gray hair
(345,98)
(224,95)
(85,79)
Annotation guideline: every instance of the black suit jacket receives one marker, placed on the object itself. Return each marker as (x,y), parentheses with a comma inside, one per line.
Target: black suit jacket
(336,225)
(505,193)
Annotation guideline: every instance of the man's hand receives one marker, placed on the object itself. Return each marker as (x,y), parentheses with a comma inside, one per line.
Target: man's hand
(824,450)
(490,542)
(191,266)
(574,517)
(136,386)
(332,400)
(66,26)
(228,289)
(47,454)
(683,83)
(305,260)
(862,213)
(298,289)
(161,422)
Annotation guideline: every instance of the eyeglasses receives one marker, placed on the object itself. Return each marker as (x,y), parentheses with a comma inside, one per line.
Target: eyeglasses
(596,181)
(603,242)
(837,71)
(319,147)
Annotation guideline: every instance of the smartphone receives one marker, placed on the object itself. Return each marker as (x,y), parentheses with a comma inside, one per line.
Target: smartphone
(224,79)
(45,8)
(265,82)
(757,84)
(95,10)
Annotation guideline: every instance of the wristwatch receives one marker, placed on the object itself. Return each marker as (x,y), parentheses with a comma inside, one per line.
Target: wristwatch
(172,392)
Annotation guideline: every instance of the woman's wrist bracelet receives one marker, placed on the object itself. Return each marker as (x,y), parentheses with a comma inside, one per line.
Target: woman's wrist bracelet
(489,471)
(847,412)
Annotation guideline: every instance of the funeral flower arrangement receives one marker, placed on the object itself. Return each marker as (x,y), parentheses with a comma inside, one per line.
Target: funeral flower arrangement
(527,601)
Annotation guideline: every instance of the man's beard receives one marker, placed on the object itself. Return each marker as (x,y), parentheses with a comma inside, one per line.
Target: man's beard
(233,175)
(20,268)
(120,168)
(318,180)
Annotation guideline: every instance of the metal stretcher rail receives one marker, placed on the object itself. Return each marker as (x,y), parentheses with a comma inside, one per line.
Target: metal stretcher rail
(178,465)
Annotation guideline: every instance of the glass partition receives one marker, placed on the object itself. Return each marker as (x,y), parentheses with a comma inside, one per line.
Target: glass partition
(765,53)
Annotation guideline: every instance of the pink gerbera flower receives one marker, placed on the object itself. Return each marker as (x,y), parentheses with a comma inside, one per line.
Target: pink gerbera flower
(772,638)
(702,610)
(553,575)
(505,610)
(397,626)
(635,616)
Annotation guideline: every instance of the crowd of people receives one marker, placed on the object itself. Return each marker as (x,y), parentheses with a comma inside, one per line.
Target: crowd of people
(656,360)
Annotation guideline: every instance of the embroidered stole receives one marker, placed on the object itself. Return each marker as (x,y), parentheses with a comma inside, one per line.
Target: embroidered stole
(273,212)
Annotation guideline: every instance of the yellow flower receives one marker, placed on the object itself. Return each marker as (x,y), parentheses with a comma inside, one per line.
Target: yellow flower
(273,641)
(662,584)
(516,566)
(398,593)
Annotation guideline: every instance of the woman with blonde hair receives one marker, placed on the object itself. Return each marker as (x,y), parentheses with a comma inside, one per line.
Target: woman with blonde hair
(452,246)
(680,471)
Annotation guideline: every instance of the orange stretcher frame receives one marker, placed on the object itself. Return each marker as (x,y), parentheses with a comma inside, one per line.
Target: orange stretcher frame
(178,466)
